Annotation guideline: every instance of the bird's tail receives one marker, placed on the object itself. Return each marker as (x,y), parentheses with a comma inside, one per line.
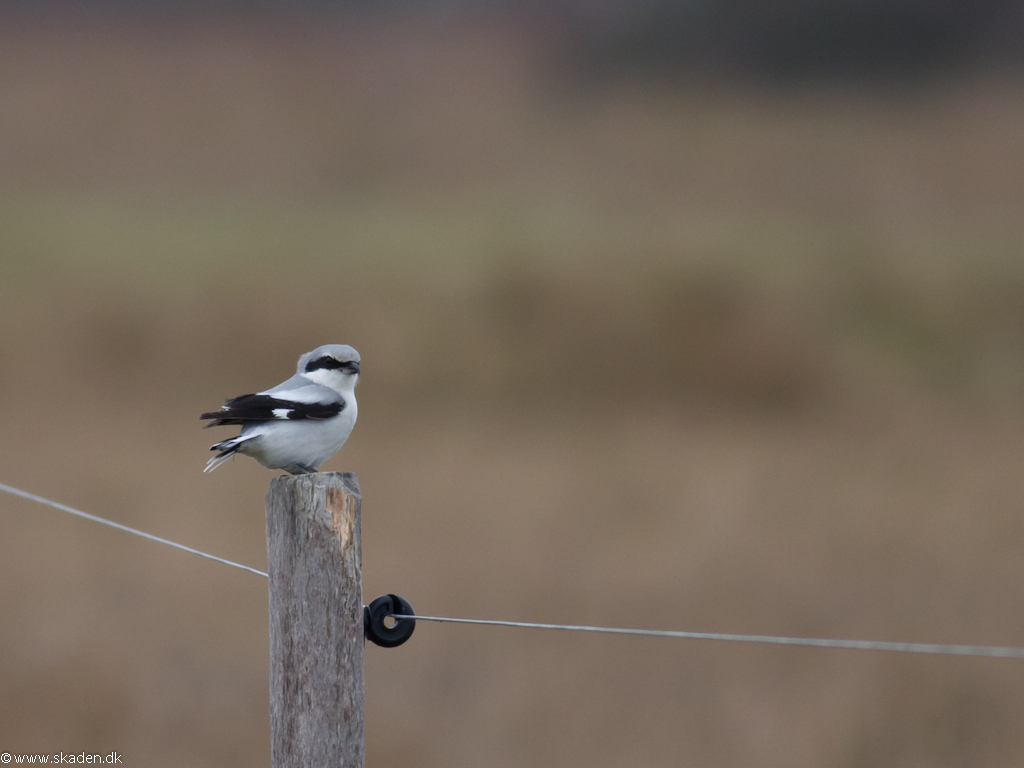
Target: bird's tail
(227,448)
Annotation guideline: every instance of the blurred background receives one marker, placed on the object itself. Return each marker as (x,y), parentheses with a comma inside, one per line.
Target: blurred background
(695,315)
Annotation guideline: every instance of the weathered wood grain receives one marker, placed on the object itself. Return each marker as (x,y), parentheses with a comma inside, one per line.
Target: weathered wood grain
(316,621)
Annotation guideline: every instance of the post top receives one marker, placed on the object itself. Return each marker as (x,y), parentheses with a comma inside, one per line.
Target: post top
(349,481)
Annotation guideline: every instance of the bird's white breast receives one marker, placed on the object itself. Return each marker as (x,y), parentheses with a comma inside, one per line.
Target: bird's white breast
(309,442)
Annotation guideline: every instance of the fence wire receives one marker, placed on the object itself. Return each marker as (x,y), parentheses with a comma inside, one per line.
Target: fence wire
(1003,652)
(126,529)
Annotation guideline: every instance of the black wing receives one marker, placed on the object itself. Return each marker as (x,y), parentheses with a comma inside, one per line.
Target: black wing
(250,408)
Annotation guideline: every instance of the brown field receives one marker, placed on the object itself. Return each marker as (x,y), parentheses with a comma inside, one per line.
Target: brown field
(682,355)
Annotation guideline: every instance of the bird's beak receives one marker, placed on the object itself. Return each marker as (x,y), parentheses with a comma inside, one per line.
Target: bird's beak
(351,367)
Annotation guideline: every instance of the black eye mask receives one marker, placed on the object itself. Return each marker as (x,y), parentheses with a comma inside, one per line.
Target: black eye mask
(330,363)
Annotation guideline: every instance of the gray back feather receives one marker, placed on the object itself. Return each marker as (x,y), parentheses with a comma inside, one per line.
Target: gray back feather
(301,389)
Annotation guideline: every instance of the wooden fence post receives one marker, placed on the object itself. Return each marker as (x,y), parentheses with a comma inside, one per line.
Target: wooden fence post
(316,621)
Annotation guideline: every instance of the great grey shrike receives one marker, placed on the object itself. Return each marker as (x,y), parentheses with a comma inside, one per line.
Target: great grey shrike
(299,424)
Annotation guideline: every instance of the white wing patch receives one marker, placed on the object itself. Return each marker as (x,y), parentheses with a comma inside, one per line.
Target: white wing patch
(281,413)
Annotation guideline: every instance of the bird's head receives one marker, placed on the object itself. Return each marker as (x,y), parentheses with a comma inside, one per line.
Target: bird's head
(333,365)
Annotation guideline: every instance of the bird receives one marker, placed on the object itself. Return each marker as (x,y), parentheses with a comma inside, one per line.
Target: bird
(299,424)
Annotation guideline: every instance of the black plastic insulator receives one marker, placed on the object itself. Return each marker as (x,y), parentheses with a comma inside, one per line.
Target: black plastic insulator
(374,614)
